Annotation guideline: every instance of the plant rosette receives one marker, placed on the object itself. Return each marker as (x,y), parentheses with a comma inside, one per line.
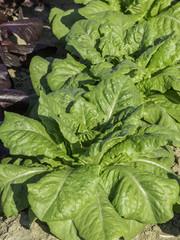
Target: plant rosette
(90,167)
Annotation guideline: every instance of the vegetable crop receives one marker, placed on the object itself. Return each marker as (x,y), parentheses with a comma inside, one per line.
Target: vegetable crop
(93,159)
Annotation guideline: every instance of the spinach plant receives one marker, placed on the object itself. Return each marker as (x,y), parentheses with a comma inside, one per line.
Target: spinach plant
(90,167)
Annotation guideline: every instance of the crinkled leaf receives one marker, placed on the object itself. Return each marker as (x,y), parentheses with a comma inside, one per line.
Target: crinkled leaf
(60,194)
(56,106)
(162,81)
(30,135)
(171,103)
(146,197)
(115,93)
(97,219)
(158,6)
(13,186)
(111,42)
(157,114)
(62,70)
(94,7)
(166,55)
(82,40)
(82,80)
(116,131)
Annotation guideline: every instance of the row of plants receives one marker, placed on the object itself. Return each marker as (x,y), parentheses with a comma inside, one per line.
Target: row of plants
(92,157)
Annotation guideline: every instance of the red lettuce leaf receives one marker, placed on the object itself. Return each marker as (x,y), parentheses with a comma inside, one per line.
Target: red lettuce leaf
(14,100)
(27,29)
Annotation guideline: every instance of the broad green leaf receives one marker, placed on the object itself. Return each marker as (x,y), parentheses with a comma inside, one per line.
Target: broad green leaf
(82,40)
(74,123)
(39,67)
(146,56)
(145,33)
(170,105)
(167,21)
(119,19)
(64,229)
(146,197)
(157,114)
(13,186)
(58,101)
(115,93)
(104,222)
(82,80)
(139,7)
(166,55)
(100,69)
(158,6)
(164,80)
(158,162)
(111,42)
(145,140)
(62,70)
(94,7)
(125,125)
(28,137)
(60,194)
(62,21)
(139,38)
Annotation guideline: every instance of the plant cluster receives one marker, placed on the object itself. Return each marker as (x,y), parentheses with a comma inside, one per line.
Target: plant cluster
(93,159)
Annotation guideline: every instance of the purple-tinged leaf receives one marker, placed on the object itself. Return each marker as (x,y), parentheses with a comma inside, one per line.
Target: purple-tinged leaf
(11,60)
(4,77)
(14,100)
(27,29)
(21,49)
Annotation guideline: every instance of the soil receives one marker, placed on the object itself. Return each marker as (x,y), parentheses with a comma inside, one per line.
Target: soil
(17,227)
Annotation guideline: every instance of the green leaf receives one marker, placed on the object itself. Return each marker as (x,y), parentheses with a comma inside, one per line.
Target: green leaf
(39,67)
(162,81)
(64,229)
(60,194)
(111,42)
(62,21)
(82,40)
(94,7)
(81,80)
(171,104)
(104,222)
(167,21)
(13,186)
(139,7)
(158,6)
(166,55)
(115,93)
(146,197)
(28,137)
(126,124)
(62,70)
(157,114)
